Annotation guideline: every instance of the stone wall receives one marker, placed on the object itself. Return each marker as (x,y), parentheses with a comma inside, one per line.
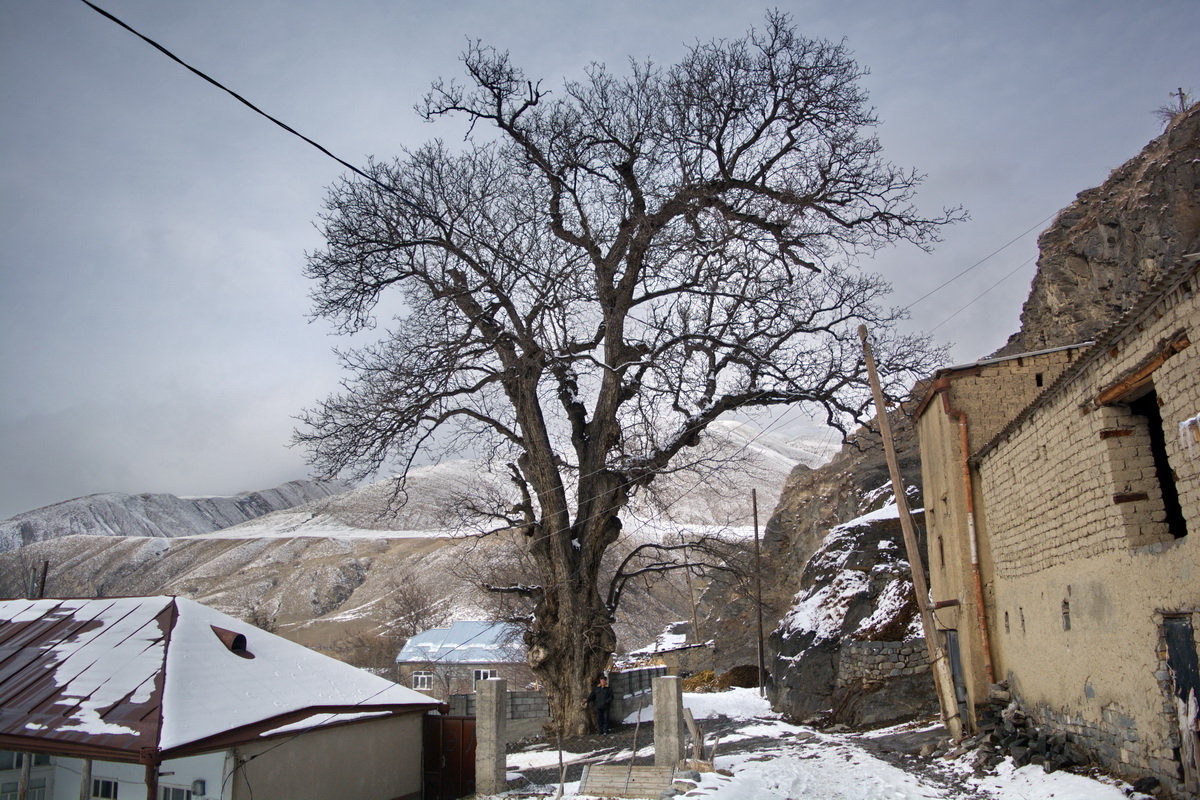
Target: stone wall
(875,662)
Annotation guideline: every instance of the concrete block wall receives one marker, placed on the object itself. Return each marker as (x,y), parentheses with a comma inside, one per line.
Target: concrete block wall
(631,690)
(523,704)
(527,711)
(876,662)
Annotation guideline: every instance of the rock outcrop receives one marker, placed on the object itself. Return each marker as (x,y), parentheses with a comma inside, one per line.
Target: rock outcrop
(855,589)
(1107,247)
(812,502)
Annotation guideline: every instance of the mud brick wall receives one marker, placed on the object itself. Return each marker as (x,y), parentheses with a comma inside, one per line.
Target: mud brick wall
(1086,568)
(998,391)
(1092,467)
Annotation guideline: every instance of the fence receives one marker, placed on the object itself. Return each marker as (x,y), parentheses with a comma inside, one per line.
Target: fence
(528,711)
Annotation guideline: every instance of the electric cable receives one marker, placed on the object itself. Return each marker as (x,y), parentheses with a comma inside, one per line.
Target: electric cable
(981,294)
(247,103)
(980,261)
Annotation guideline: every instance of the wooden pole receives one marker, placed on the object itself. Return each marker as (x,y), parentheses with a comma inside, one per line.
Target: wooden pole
(762,660)
(943,680)
(23,776)
(152,781)
(85,780)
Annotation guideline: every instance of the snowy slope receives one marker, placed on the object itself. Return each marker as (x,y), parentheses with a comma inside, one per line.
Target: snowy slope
(714,492)
(762,757)
(163,515)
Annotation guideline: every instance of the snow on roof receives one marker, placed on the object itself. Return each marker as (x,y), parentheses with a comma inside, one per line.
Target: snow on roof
(672,637)
(165,673)
(470,642)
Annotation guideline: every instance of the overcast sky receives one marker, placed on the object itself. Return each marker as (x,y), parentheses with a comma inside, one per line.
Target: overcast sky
(154,331)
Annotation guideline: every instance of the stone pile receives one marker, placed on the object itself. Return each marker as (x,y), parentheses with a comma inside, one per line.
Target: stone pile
(1005,730)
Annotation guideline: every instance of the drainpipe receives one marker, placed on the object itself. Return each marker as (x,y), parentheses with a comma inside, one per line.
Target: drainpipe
(980,610)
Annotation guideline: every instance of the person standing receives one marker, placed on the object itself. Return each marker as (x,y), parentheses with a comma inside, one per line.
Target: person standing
(601,699)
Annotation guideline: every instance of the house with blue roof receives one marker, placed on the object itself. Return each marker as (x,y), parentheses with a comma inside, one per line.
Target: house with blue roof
(447,661)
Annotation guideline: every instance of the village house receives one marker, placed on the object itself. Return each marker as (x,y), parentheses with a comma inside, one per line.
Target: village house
(163,698)
(442,662)
(1062,494)
(671,650)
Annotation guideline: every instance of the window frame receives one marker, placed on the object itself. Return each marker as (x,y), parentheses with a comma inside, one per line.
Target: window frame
(99,786)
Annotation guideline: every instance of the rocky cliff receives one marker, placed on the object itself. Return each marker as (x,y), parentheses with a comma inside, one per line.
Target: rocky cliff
(1108,246)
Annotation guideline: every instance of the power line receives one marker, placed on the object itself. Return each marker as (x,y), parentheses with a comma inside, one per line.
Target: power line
(245,102)
(980,261)
(981,294)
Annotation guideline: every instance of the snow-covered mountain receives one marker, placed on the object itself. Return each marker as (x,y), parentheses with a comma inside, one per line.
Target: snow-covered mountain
(712,490)
(161,515)
(324,572)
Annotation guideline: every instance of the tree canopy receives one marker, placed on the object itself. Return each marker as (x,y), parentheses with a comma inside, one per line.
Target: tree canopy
(599,273)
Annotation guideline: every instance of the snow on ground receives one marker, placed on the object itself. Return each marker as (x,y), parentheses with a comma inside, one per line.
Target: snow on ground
(790,762)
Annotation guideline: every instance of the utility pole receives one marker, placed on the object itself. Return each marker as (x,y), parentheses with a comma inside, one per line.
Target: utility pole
(762,660)
(943,680)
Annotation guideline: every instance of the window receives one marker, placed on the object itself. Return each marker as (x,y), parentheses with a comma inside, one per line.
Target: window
(12,760)
(104,789)
(422,681)
(174,793)
(483,675)
(37,790)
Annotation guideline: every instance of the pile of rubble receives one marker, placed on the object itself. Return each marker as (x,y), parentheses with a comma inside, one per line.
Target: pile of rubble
(1004,730)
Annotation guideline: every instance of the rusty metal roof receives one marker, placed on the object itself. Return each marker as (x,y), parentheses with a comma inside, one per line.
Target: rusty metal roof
(146,678)
(83,673)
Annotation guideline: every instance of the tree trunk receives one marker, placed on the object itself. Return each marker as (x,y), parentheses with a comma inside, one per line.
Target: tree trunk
(569,645)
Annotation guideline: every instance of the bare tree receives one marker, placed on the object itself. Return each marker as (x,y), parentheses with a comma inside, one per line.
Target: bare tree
(595,276)
(410,605)
(1167,113)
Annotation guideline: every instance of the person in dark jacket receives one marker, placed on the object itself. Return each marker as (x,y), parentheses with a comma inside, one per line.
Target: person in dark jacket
(601,699)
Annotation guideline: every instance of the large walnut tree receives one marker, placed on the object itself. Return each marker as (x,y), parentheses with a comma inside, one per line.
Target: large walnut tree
(598,273)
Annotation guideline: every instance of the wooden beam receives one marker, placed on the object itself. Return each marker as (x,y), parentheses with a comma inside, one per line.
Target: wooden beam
(1140,377)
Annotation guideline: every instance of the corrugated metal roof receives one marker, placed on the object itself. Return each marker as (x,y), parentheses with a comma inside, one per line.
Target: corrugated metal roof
(464,643)
(135,679)
(82,672)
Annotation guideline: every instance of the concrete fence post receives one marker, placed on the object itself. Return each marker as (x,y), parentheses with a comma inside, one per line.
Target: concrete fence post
(491,705)
(667,694)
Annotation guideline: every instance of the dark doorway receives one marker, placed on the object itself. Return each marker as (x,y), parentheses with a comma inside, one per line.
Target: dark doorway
(449,757)
(1185,679)
(956,670)
(1147,406)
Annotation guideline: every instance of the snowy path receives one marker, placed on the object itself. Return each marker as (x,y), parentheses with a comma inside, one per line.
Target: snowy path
(764,758)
